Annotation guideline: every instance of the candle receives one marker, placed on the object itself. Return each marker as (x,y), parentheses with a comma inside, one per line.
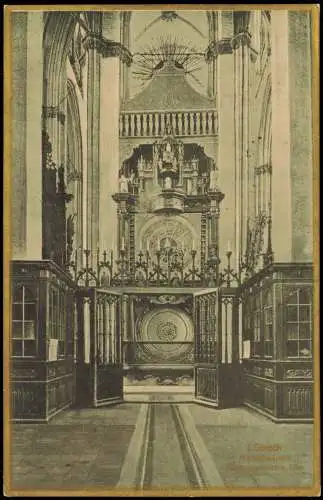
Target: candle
(229,246)
(193,245)
(122,244)
(140,246)
(158,244)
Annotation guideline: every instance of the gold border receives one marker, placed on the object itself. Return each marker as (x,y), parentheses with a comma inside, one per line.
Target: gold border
(213,492)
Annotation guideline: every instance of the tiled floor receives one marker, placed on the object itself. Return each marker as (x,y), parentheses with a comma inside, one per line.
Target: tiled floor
(77,448)
(87,448)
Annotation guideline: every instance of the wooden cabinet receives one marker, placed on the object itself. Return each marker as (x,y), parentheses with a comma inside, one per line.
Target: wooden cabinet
(277,319)
(42,340)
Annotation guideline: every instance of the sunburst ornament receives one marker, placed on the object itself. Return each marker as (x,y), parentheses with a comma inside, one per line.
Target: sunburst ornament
(153,57)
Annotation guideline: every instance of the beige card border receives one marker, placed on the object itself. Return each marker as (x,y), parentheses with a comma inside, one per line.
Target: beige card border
(172,492)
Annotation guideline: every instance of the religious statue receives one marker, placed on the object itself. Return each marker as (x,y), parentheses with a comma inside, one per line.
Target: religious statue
(168,183)
(168,155)
(123,184)
(195,164)
(141,163)
(214,174)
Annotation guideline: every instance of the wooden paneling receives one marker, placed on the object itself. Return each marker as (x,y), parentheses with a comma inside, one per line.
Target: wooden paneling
(280,386)
(207,384)
(40,387)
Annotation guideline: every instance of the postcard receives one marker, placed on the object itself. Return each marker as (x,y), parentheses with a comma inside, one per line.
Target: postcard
(161,250)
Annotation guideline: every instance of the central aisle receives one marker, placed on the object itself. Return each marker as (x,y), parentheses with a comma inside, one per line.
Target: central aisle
(158,446)
(165,464)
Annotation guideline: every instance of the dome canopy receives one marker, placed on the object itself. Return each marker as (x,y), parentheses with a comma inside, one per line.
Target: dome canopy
(168,91)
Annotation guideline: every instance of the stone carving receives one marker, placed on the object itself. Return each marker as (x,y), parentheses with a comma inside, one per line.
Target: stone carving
(217,48)
(167,299)
(268,372)
(167,331)
(123,184)
(108,48)
(299,372)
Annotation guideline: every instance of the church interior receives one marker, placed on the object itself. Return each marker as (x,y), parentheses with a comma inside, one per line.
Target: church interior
(161,226)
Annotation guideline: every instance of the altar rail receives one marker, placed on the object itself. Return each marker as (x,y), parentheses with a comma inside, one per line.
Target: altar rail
(154,124)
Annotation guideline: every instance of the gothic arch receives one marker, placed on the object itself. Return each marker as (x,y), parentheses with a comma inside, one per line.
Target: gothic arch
(74,163)
(58,32)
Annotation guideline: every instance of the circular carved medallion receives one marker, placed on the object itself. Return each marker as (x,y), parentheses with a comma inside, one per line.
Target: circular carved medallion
(167,331)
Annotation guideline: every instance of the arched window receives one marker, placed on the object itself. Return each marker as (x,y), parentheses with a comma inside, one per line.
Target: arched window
(298,320)
(24,316)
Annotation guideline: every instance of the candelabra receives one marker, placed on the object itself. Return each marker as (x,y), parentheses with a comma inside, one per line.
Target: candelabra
(193,273)
(142,267)
(165,267)
(102,265)
(157,274)
(211,267)
(122,277)
(228,274)
(87,276)
(175,265)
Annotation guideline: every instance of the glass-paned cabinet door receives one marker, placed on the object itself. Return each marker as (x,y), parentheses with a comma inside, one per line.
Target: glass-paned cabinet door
(24,316)
(268,324)
(256,338)
(298,324)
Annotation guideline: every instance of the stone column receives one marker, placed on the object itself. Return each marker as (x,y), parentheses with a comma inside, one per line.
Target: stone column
(109,148)
(113,53)
(300,70)
(292,175)
(240,44)
(224,95)
(26,188)
(93,44)
(281,139)
(18,136)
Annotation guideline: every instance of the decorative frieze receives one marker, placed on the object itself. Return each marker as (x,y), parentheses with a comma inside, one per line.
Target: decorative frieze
(298,401)
(299,373)
(24,373)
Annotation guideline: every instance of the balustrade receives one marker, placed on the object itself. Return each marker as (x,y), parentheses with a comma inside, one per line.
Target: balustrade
(193,123)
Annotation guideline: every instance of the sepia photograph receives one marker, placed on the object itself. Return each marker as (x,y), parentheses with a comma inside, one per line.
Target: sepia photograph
(161,250)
